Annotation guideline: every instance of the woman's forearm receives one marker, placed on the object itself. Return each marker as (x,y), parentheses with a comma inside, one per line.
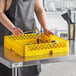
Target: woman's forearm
(6,22)
(42,18)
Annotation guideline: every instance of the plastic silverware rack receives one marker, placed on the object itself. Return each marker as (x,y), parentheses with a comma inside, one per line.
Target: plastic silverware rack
(34,44)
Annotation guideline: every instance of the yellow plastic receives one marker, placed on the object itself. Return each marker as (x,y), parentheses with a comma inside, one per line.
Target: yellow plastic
(26,45)
(12,56)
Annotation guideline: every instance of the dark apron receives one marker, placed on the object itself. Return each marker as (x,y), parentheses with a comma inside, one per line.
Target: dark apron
(21,13)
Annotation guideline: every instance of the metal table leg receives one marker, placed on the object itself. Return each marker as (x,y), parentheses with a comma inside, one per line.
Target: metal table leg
(14,72)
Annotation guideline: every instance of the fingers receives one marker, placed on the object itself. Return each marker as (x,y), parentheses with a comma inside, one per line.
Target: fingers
(18,32)
(48,33)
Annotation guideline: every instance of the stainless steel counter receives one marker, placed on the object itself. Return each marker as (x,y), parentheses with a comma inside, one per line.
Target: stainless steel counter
(10,59)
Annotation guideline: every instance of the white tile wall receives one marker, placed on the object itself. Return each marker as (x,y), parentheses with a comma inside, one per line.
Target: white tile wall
(55,21)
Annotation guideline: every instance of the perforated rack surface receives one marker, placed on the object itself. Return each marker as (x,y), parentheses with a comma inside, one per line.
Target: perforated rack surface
(27,45)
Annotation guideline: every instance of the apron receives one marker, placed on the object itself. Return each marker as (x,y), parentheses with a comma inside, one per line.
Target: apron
(21,13)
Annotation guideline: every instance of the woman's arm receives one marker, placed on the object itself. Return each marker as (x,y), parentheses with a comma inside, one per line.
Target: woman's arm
(6,22)
(40,12)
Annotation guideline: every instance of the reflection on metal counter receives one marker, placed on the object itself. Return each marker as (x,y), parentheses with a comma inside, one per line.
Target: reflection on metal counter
(18,44)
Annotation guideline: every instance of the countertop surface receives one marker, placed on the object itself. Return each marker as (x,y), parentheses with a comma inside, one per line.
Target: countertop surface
(11,59)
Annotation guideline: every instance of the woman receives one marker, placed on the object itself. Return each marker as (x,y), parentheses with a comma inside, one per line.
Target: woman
(17,17)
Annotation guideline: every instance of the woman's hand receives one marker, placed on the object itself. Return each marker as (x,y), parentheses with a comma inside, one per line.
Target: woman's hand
(48,32)
(17,31)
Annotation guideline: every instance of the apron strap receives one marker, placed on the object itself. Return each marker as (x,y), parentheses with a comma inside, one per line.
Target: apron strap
(5,4)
